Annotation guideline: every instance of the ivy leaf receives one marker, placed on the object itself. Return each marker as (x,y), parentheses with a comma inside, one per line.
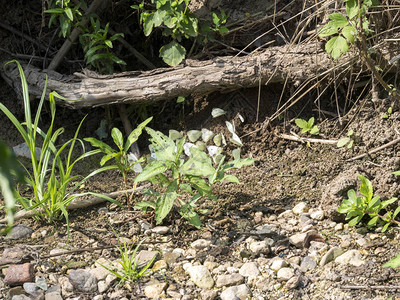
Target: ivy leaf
(172,53)
(337,46)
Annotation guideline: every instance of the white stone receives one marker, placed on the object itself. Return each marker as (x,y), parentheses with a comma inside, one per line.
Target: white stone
(351,257)
(241,292)
(277,264)
(200,244)
(317,215)
(249,269)
(154,289)
(285,274)
(160,230)
(339,227)
(201,277)
(300,208)
(259,247)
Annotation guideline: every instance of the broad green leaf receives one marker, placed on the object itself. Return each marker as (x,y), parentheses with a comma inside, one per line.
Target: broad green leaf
(350,145)
(393,263)
(165,202)
(314,130)
(215,18)
(374,202)
(179,148)
(134,135)
(186,188)
(143,205)
(172,53)
(148,24)
(239,163)
(303,124)
(355,221)
(336,46)
(351,8)
(198,165)
(200,185)
(189,214)
(352,196)
(396,212)
(108,43)
(373,221)
(158,17)
(164,147)
(230,178)
(342,142)
(384,228)
(118,138)
(349,32)
(107,157)
(388,202)
(366,187)
(189,26)
(101,145)
(69,13)
(310,122)
(223,30)
(152,169)
(396,173)
(338,20)
(328,30)
(180,99)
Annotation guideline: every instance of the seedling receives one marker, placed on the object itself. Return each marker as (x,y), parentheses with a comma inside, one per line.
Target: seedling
(356,207)
(388,114)
(348,140)
(307,126)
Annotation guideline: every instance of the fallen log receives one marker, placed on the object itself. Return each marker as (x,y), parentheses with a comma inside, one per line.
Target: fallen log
(275,64)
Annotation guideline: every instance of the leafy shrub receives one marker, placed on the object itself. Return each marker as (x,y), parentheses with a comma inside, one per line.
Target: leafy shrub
(193,177)
(343,29)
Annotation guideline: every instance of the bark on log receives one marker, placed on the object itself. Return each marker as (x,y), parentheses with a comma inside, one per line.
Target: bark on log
(299,63)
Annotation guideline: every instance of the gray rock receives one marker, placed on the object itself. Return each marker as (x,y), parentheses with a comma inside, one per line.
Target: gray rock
(145,256)
(263,284)
(66,286)
(19,231)
(249,269)
(200,244)
(29,287)
(13,255)
(351,257)
(83,281)
(229,280)
(160,230)
(259,247)
(100,273)
(292,283)
(285,274)
(241,292)
(298,239)
(208,294)
(102,286)
(330,255)
(201,276)
(171,257)
(308,263)
(53,296)
(154,289)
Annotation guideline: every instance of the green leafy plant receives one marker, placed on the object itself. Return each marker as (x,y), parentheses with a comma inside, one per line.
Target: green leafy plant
(130,271)
(356,207)
(97,45)
(68,14)
(182,179)
(9,169)
(51,178)
(388,114)
(348,140)
(178,22)
(217,25)
(121,156)
(343,29)
(307,126)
